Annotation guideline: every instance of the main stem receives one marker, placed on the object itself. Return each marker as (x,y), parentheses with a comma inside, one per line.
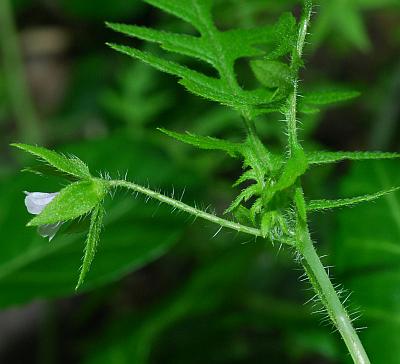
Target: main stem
(310,260)
(329,298)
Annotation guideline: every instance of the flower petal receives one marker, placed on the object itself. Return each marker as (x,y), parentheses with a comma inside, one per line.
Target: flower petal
(35,202)
(49,230)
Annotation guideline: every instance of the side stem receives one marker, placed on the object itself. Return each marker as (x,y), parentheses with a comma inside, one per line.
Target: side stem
(176,204)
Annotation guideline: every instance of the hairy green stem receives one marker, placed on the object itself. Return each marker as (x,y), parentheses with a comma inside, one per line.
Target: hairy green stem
(184,207)
(19,97)
(329,298)
(295,64)
(310,260)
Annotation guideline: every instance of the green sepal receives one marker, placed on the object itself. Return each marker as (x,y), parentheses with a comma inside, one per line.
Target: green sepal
(70,165)
(73,201)
(93,237)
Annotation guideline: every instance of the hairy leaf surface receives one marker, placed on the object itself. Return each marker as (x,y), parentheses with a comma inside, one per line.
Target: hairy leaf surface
(315,205)
(73,201)
(206,142)
(323,157)
(72,165)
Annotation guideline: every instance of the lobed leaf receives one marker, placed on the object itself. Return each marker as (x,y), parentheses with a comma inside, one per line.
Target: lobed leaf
(208,87)
(184,44)
(205,142)
(195,13)
(72,166)
(317,205)
(219,48)
(323,157)
(73,201)
(93,237)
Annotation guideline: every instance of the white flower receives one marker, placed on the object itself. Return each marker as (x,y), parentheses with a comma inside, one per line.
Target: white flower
(35,202)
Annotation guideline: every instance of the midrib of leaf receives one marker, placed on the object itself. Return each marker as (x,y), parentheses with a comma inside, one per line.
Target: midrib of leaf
(225,71)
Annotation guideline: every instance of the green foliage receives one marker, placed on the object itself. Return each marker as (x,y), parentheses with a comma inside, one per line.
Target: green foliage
(209,143)
(322,157)
(271,203)
(93,237)
(136,86)
(30,268)
(206,290)
(317,205)
(71,166)
(344,19)
(328,97)
(219,49)
(272,74)
(73,201)
(367,251)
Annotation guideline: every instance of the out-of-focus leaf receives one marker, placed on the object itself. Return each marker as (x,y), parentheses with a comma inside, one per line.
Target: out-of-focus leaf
(99,10)
(207,289)
(367,256)
(344,19)
(137,99)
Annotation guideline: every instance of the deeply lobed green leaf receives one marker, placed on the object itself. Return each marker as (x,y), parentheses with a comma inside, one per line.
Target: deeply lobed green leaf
(219,48)
(208,87)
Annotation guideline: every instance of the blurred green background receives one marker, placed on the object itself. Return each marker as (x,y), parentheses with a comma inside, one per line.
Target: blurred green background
(162,289)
